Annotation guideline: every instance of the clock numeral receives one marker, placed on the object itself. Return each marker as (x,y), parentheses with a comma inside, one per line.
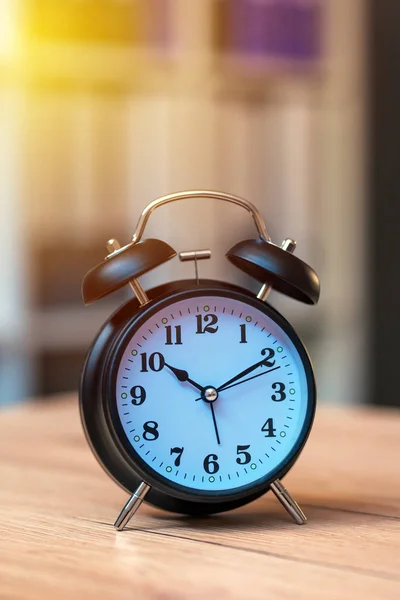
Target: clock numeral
(268,427)
(243,334)
(267,360)
(150,431)
(178,335)
(138,394)
(245,457)
(179,452)
(280,389)
(156,362)
(210,464)
(208,328)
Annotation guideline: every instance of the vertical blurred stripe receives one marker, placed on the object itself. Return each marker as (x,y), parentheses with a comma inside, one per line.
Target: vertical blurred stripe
(8,28)
(13,263)
(157,20)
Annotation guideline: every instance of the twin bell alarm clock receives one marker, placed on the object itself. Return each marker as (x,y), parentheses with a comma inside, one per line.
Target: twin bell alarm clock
(197,395)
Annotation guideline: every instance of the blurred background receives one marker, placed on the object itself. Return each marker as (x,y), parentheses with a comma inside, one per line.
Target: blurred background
(107,104)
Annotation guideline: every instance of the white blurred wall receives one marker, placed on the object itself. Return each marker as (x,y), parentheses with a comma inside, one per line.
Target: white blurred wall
(77,163)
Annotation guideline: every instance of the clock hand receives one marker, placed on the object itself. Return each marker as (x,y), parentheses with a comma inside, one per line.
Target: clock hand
(223,388)
(264,362)
(227,387)
(215,423)
(184,376)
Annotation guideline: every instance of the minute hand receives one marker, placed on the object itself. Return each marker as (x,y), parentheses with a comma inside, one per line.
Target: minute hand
(265,362)
(227,387)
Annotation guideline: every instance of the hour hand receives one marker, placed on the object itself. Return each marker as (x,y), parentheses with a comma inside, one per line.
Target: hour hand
(183,376)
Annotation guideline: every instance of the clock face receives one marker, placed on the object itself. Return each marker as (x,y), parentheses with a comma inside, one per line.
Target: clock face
(210,394)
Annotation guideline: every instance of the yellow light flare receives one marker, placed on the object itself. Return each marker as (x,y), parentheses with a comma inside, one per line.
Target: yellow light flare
(9,35)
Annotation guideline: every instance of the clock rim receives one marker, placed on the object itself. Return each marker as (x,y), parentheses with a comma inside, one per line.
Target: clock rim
(114,451)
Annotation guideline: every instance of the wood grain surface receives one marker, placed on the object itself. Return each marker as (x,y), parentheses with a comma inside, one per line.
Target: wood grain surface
(57,507)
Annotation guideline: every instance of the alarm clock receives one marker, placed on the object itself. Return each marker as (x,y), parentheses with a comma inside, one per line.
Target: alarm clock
(197,395)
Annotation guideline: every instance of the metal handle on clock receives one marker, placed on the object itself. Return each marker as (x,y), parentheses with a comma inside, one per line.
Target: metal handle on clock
(150,208)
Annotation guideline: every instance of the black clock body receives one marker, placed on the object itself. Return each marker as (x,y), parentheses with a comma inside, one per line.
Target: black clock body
(101,424)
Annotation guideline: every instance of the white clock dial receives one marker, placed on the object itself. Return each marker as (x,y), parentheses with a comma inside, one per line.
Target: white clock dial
(220,439)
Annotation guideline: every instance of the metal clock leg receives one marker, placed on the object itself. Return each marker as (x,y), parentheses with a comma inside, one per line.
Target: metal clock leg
(288,502)
(132,506)
(290,246)
(112,247)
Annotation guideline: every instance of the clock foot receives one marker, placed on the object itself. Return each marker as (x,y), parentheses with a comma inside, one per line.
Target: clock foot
(131,506)
(288,502)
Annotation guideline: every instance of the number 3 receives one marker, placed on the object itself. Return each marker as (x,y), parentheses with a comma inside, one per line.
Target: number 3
(280,389)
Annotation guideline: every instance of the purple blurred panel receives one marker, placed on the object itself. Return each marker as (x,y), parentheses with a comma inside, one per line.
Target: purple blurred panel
(158,22)
(254,27)
(289,29)
(311,28)
(301,30)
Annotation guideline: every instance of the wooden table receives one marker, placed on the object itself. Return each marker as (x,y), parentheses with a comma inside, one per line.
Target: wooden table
(57,507)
